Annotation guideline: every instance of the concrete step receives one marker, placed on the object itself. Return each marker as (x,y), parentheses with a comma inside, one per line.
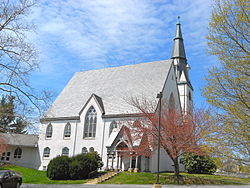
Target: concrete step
(103,178)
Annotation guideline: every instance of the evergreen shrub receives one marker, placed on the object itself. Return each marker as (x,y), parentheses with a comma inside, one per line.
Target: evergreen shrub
(58,168)
(77,167)
(199,164)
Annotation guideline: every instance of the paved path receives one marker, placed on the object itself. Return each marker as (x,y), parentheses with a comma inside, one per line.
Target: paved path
(130,186)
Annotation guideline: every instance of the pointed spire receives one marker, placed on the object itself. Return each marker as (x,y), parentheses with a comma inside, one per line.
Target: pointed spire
(178,48)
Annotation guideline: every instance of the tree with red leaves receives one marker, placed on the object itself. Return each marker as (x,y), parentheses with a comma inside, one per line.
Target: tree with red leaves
(179,133)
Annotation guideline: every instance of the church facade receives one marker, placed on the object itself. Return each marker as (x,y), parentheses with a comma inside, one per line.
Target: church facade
(91,112)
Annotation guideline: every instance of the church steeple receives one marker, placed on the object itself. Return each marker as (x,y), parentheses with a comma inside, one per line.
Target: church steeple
(182,68)
(178,48)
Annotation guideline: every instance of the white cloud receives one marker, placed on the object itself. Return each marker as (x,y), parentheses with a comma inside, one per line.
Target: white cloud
(75,35)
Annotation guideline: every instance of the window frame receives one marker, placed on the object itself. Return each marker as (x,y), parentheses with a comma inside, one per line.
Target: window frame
(86,150)
(91,149)
(49,131)
(67,131)
(90,122)
(113,125)
(18,153)
(63,151)
(47,154)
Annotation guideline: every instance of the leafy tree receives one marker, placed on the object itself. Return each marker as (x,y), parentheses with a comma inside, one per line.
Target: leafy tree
(199,164)
(228,85)
(18,57)
(10,121)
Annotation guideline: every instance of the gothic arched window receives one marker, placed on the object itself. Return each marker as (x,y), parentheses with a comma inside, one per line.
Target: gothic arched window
(90,123)
(91,149)
(112,126)
(67,130)
(84,150)
(171,102)
(49,131)
(18,153)
(46,152)
(189,96)
(65,151)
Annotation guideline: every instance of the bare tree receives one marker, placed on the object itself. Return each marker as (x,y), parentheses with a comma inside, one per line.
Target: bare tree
(18,57)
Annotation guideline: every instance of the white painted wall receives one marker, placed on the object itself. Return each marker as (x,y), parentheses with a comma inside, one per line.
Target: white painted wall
(30,157)
(76,142)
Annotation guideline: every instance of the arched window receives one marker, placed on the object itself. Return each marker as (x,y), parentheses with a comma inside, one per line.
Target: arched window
(84,150)
(171,102)
(113,125)
(189,96)
(67,130)
(90,123)
(91,149)
(49,131)
(46,152)
(65,151)
(18,153)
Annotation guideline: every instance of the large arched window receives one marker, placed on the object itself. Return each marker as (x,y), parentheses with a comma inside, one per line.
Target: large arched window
(46,152)
(113,125)
(67,130)
(18,153)
(171,102)
(90,123)
(49,131)
(84,150)
(65,151)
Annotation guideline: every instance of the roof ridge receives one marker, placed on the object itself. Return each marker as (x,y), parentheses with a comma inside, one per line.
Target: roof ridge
(129,65)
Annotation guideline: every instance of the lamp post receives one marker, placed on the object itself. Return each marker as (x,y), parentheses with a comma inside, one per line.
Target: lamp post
(159,96)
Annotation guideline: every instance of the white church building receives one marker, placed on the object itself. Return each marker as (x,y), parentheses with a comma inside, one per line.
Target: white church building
(91,112)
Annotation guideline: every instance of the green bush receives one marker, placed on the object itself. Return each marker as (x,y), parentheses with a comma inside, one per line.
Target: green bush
(196,164)
(84,164)
(58,168)
(78,167)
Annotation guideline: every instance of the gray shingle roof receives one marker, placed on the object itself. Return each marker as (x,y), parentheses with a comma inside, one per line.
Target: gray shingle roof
(113,85)
(28,140)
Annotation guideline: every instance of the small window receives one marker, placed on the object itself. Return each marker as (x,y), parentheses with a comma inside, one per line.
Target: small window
(3,156)
(91,149)
(84,150)
(46,152)
(18,153)
(65,151)
(67,130)
(49,131)
(44,168)
(112,126)
(189,96)
(8,156)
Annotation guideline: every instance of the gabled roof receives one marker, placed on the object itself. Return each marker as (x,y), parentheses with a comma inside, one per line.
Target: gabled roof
(98,101)
(28,140)
(113,85)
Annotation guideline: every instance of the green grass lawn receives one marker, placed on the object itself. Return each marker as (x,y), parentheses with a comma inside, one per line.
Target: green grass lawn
(38,177)
(167,178)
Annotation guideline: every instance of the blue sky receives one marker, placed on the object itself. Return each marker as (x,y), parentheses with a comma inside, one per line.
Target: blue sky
(79,35)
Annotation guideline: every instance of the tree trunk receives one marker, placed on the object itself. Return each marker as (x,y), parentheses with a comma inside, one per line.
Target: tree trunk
(177,170)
